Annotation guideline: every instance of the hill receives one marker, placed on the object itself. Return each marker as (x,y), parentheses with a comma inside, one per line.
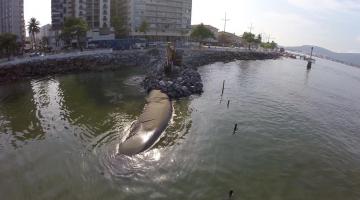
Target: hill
(346,58)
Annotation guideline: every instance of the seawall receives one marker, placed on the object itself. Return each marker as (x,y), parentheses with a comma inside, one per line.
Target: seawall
(40,67)
(184,80)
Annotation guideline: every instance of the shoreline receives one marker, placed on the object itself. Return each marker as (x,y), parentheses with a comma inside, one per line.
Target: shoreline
(101,59)
(183,82)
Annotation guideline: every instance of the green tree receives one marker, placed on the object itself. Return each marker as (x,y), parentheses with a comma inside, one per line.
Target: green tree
(200,33)
(249,38)
(273,45)
(75,29)
(33,27)
(269,45)
(119,25)
(44,43)
(258,39)
(144,27)
(8,44)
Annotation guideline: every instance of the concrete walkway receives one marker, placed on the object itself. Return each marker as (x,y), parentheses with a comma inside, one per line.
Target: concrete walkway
(56,56)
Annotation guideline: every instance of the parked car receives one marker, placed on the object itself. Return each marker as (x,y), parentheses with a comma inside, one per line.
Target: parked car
(36,54)
(151,45)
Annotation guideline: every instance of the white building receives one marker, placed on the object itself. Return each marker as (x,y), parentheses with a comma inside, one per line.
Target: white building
(45,31)
(95,12)
(165,18)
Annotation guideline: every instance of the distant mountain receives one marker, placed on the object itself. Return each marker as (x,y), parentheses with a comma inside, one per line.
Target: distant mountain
(346,58)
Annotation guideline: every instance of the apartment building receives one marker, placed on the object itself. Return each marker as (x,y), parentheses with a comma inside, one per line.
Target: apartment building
(169,18)
(60,9)
(95,12)
(12,18)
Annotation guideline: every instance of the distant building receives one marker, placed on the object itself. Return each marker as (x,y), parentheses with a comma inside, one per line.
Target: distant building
(95,12)
(165,19)
(45,31)
(12,18)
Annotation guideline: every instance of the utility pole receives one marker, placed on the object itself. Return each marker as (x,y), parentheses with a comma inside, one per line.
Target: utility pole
(225,21)
(312,49)
(251,28)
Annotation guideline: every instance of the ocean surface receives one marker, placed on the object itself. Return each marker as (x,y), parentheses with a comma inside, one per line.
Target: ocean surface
(297,137)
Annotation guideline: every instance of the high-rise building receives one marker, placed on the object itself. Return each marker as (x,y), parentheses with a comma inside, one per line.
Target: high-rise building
(95,12)
(12,18)
(98,13)
(60,9)
(57,13)
(164,17)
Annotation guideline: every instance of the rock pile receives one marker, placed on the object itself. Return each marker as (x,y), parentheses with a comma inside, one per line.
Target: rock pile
(183,84)
(185,80)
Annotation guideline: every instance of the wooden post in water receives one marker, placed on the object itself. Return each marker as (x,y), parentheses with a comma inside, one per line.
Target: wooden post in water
(231,193)
(223,88)
(309,65)
(228,104)
(310,60)
(235,129)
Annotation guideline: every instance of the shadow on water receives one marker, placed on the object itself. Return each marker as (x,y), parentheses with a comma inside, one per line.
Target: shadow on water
(99,102)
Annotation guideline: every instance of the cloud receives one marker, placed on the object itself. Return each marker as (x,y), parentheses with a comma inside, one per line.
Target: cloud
(358,39)
(290,28)
(328,5)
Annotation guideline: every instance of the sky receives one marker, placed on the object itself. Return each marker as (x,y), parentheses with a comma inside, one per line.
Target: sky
(332,24)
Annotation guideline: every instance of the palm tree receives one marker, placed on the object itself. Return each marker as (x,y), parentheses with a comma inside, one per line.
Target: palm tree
(33,28)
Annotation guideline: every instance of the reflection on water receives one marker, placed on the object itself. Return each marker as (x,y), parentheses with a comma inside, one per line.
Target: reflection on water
(18,115)
(297,136)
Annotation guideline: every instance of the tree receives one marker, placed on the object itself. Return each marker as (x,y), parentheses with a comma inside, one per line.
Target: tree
(249,38)
(273,45)
(44,43)
(75,29)
(33,28)
(144,27)
(8,44)
(258,39)
(269,45)
(119,26)
(200,33)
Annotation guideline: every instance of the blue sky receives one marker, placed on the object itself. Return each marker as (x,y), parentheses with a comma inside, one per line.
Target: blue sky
(333,24)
